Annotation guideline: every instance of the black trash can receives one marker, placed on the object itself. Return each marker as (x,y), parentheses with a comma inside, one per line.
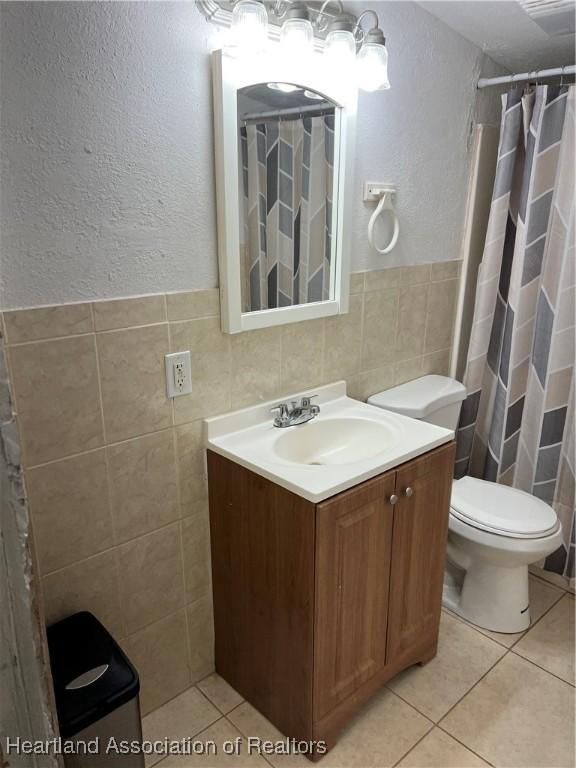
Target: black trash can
(96,690)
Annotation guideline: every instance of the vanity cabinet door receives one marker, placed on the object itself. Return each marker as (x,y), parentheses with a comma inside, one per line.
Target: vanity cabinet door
(423,488)
(353,549)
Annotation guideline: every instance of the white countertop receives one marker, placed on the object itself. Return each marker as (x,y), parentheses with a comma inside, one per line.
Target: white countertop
(249,438)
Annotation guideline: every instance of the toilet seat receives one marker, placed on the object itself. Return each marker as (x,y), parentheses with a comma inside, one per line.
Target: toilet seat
(501,510)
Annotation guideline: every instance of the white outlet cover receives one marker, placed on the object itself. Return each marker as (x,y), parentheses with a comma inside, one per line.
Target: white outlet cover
(178,374)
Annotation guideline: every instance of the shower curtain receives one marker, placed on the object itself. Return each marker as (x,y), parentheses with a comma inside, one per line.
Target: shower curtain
(287,180)
(517,423)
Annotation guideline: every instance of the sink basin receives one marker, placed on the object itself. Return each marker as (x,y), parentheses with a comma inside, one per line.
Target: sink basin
(347,443)
(333,441)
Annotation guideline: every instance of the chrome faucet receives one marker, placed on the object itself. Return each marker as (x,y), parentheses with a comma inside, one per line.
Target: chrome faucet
(293,413)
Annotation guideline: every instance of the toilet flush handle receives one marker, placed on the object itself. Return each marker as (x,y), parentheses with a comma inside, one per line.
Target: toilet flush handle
(409,491)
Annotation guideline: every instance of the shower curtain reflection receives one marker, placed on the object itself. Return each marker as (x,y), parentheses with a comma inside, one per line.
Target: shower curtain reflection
(287,180)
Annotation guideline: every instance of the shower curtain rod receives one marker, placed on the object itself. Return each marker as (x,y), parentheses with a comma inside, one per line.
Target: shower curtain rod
(536,74)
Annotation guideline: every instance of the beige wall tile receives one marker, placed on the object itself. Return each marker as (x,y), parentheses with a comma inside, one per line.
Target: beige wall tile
(255,366)
(302,350)
(357,282)
(342,342)
(407,370)
(90,585)
(201,637)
(192,304)
(211,368)
(58,403)
(133,381)
(416,273)
(412,305)
(152,581)
(143,484)
(445,270)
(369,383)
(379,328)
(191,463)
(196,549)
(70,509)
(47,322)
(437,362)
(126,313)
(441,314)
(383,279)
(160,654)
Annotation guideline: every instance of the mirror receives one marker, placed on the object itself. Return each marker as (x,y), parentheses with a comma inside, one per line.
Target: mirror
(283,178)
(286,168)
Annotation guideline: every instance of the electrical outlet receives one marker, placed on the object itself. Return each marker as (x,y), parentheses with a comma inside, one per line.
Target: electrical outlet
(178,374)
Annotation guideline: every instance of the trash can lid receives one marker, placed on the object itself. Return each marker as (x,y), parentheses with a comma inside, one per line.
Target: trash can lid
(92,675)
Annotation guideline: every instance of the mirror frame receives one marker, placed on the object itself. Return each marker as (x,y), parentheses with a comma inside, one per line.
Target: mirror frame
(230,74)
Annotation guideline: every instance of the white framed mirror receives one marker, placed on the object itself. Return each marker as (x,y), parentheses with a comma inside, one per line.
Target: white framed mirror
(284,145)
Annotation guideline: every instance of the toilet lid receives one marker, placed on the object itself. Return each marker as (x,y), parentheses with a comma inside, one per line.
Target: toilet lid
(501,509)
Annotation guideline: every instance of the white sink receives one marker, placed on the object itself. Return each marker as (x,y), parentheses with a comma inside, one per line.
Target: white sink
(334,441)
(347,443)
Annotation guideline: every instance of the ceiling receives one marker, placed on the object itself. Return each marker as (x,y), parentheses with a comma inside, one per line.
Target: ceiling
(505,32)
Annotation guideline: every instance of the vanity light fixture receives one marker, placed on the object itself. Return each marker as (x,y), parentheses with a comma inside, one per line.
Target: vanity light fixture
(293,22)
(340,43)
(372,58)
(297,35)
(249,26)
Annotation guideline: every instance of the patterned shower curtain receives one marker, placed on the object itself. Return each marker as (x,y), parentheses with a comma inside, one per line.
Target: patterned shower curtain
(517,423)
(287,180)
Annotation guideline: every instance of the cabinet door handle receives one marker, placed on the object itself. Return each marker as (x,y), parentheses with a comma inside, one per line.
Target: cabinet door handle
(393,499)
(409,491)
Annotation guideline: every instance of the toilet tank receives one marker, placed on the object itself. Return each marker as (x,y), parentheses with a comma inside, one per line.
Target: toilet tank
(435,399)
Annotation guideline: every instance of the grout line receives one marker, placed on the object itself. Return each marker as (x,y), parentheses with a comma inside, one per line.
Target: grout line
(107,550)
(107,445)
(508,650)
(551,584)
(553,674)
(421,739)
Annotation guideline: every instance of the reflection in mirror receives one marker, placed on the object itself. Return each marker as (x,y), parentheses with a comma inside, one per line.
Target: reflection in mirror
(286,152)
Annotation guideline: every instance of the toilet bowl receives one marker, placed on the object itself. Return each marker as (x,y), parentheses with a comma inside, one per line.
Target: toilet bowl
(495,532)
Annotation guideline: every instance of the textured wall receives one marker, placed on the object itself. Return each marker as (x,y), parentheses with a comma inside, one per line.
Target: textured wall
(108,184)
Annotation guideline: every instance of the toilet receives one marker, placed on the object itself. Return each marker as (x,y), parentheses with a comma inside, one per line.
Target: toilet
(495,532)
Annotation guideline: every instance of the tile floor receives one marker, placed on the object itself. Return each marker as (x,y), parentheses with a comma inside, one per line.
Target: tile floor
(486,699)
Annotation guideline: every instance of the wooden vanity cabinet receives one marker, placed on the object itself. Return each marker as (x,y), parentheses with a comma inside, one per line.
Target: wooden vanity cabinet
(317,605)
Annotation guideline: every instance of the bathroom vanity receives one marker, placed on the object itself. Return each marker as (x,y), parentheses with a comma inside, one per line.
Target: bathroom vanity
(319,600)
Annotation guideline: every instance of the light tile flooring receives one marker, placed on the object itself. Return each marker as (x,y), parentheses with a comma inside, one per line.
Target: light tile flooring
(486,699)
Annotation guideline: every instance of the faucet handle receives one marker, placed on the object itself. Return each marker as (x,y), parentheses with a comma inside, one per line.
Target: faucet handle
(281,409)
(305,403)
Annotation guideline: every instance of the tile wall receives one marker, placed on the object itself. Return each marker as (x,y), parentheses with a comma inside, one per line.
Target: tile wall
(114,470)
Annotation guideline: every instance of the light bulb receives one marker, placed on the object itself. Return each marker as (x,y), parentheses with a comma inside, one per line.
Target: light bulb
(249,25)
(372,67)
(297,37)
(340,46)
(284,87)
